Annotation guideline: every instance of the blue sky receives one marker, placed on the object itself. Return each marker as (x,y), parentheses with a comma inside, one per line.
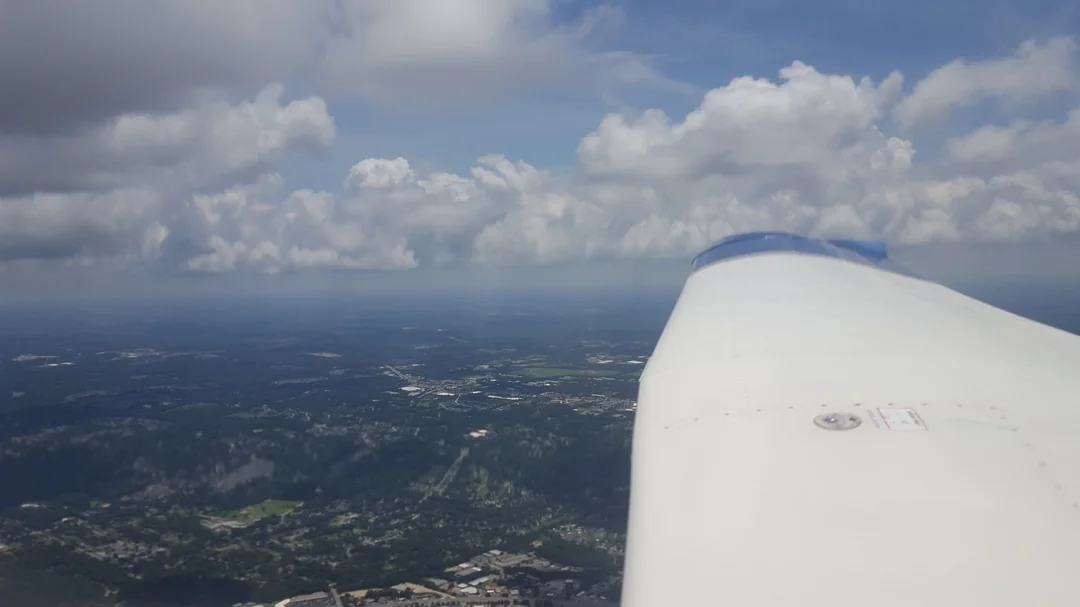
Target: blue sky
(703,44)
(269,137)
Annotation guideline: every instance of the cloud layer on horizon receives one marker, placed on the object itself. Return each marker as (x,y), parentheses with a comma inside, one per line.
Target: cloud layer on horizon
(182,172)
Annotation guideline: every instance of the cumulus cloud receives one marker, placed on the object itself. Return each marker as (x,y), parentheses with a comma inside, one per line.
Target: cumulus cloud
(121,223)
(1036,69)
(805,154)
(197,146)
(1022,144)
(416,53)
(113,191)
(195,186)
(747,126)
(115,116)
(248,227)
(379,173)
(388,217)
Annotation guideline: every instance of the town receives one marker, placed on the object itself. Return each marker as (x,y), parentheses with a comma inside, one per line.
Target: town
(493,578)
(404,467)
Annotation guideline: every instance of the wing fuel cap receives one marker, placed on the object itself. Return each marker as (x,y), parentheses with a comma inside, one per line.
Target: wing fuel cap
(837,421)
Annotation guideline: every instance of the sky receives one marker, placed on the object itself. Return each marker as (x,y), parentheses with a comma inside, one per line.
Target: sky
(254,141)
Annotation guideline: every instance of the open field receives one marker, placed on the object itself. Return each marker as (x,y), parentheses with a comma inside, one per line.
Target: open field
(547,372)
(262,510)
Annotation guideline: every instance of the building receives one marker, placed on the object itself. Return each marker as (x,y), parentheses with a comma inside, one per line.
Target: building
(508,560)
(317,599)
(469,573)
(438,583)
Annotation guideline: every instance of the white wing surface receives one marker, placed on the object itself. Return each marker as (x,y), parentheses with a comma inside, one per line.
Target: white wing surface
(816,428)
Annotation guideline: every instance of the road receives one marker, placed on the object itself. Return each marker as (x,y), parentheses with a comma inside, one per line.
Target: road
(337,597)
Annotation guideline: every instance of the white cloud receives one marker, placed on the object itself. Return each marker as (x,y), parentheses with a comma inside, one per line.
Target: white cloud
(222,140)
(1028,177)
(201,145)
(64,226)
(1035,70)
(249,227)
(750,125)
(394,216)
(379,173)
(422,54)
(1023,144)
(195,189)
(112,191)
(806,154)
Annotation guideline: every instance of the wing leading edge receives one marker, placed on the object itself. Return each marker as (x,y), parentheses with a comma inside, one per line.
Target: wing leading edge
(816,427)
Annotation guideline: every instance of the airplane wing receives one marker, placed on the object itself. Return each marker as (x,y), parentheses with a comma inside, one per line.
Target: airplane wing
(819,428)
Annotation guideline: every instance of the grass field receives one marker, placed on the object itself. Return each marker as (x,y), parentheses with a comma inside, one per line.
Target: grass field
(547,372)
(343,519)
(262,510)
